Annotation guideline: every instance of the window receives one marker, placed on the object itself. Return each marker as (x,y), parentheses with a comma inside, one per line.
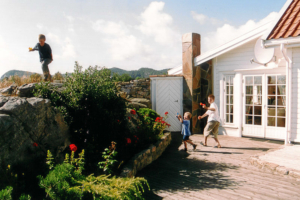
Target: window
(276,100)
(228,99)
(253,100)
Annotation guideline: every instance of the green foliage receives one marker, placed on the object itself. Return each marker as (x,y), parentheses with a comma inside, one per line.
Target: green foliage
(104,187)
(123,77)
(59,182)
(137,78)
(91,107)
(5,194)
(142,72)
(25,197)
(65,181)
(109,155)
(49,159)
(58,76)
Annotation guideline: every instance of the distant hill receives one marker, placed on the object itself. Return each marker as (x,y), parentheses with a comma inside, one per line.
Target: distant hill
(16,72)
(142,72)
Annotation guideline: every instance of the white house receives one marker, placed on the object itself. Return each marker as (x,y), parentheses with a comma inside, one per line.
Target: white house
(255,79)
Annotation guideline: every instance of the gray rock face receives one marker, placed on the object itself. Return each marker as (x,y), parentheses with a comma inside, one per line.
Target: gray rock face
(24,122)
(26,90)
(8,90)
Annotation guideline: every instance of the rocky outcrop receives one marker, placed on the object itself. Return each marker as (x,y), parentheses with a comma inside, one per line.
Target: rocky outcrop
(135,88)
(26,90)
(28,128)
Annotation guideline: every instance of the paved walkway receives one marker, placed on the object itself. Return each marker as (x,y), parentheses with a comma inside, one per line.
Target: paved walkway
(288,156)
(212,173)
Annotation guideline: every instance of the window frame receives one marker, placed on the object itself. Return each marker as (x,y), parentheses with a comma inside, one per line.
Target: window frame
(231,78)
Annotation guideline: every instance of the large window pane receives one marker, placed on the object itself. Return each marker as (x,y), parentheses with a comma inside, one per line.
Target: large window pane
(257,80)
(257,110)
(249,80)
(280,122)
(249,89)
(257,120)
(281,100)
(249,110)
(271,100)
(281,79)
(281,90)
(271,111)
(271,90)
(249,99)
(271,121)
(248,119)
(281,111)
(271,79)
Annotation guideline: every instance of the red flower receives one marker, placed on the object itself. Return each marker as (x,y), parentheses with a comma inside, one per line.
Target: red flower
(136,138)
(118,121)
(128,140)
(35,144)
(73,147)
(138,127)
(163,122)
(166,113)
(201,104)
(157,119)
(133,112)
(129,118)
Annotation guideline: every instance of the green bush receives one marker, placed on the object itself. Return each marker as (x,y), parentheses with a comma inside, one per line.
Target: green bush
(92,109)
(123,77)
(65,181)
(5,194)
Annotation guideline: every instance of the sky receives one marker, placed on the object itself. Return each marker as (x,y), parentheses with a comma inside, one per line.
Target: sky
(128,34)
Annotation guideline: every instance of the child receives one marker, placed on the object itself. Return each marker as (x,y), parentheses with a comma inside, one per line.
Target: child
(186,129)
(45,55)
(213,120)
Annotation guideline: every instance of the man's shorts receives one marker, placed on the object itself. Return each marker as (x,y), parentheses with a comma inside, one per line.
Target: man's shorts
(212,127)
(186,137)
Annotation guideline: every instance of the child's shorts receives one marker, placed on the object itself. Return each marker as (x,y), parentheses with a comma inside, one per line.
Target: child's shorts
(186,137)
(213,128)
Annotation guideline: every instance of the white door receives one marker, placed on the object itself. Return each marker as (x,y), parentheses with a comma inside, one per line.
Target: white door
(264,106)
(169,99)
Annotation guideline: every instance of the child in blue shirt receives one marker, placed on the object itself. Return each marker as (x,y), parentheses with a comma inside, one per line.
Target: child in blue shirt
(186,129)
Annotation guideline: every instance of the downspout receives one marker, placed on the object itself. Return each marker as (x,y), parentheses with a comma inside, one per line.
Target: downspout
(288,93)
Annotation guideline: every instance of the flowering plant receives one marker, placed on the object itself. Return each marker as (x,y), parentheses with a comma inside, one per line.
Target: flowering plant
(160,124)
(73,147)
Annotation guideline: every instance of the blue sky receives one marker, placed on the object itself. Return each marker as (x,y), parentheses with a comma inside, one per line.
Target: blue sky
(128,34)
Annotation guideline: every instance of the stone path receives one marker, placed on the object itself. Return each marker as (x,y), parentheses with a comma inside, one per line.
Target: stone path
(212,173)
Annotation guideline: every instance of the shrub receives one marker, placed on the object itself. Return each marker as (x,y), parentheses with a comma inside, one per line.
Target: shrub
(92,109)
(35,78)
(5,194)
(123,77)
(58,76)
(65,181)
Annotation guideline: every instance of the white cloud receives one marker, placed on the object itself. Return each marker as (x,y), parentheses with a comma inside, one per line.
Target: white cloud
(203,19)
(156,23)
(110,27)
(229,32)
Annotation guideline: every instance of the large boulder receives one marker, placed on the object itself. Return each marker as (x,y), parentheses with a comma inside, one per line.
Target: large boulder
(26,90)
(28,128)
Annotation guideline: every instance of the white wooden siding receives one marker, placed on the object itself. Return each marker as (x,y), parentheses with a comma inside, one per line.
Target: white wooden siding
(237,61)
(295,107)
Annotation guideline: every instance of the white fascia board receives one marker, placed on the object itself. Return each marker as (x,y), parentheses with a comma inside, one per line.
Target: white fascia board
(175,70)
(251,35)
(289,42)
(281,12)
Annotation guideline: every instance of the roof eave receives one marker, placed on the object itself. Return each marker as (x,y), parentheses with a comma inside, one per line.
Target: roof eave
(258,32)
(288,42)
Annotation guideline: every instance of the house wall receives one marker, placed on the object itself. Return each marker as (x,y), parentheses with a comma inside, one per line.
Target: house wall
(295,114)
(237,63)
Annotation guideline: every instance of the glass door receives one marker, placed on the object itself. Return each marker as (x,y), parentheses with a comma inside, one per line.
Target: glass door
(276,106)
(253,106)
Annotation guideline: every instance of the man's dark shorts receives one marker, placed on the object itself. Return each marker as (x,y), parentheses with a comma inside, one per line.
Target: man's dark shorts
(185,138)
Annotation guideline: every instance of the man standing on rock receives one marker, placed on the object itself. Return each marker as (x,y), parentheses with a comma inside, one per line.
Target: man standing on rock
(45,55)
